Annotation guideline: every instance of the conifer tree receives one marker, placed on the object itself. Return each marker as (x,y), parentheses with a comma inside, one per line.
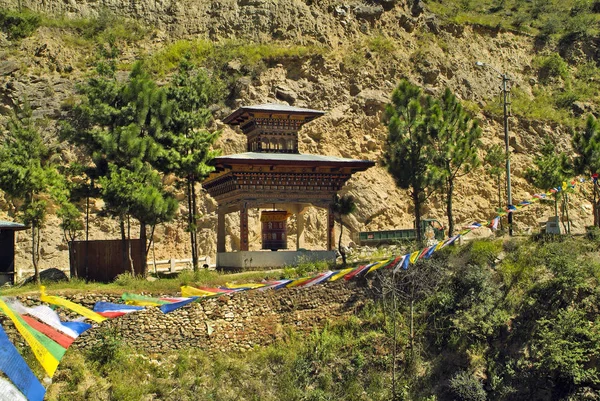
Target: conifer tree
(118,123)
(457,144)
(551,170)
(186,140)
(586,144)
(26,174)
(411,145)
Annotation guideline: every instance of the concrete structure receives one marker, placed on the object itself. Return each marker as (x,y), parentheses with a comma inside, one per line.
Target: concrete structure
(7,250)
(274,175)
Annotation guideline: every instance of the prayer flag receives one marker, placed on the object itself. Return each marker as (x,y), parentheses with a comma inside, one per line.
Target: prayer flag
(187,291)
(494,223)
(414,256)
(47,352)
(18,372)
(111,310)
(402,264)
(340,274)
(8,392)
(429,252)
(168,308)
(82,310)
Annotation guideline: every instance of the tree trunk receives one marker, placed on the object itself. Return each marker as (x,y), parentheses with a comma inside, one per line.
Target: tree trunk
(34,254)
(129,258)
(123,242)
(342,252)
(394,340)
(193,231)
(595,206)
(450,191)
(144,250)
(417,205)
(566,208)
(190,218)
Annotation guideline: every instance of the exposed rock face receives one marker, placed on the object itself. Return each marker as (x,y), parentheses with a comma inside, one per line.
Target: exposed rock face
(369,47)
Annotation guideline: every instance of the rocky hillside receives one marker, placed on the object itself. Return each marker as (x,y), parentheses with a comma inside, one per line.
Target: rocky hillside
(341,57)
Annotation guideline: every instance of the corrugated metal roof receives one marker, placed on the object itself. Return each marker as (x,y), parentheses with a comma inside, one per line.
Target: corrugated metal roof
(281,107)
(9,225)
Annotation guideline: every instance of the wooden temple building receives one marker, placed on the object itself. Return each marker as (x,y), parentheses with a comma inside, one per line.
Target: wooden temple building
(274,177)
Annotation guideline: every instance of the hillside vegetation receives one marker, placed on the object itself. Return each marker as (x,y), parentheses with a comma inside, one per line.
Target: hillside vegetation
(497,320)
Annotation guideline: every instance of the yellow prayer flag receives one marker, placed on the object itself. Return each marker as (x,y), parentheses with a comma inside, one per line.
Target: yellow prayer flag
(439,246)
(414,256)
(82,310)
(379,265)
(341,274)
(248,285)
(187,291)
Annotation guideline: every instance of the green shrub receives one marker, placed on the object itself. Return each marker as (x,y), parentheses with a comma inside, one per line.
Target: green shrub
(551,66)
(107,347)
(18,25)
(466,387)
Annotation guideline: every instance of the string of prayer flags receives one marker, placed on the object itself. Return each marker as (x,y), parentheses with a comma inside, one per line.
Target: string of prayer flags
(246,286)
(18,372)
(72,306)
(188,291)
(47,352)
(111,310)
(168,308)
(402,263)
(414,256)
(142,300)
(273,285)
(361,269)
(494,223)
(46,315)
(379,265)
(340,274)
(319,278)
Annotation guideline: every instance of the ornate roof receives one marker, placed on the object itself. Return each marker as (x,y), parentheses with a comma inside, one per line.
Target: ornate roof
(290,159)
(246,112)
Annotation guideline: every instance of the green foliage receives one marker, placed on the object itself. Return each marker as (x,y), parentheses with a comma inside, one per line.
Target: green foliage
(341,207)
(466,387)
(551,66)
(457,144)
(19,24)
(118,124)
(27,173)
(107,27)
(411,144)
(215,56)
(106,350)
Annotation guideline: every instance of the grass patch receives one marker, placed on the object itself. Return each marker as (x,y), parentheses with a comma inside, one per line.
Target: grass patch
(251,56)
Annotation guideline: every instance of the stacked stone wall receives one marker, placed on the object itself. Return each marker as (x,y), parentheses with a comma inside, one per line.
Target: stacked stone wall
(236,322)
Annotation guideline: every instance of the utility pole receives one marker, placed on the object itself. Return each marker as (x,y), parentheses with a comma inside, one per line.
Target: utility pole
(506,111)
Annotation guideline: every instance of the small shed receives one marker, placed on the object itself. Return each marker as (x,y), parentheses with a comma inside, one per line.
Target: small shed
(102,260)
(7,250)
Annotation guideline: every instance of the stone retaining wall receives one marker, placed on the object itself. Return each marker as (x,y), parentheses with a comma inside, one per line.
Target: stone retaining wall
(229,323)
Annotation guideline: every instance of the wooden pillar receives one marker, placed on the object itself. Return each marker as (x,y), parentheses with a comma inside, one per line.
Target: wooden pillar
(220,230)
(244,227)
(330,230)
(300,229)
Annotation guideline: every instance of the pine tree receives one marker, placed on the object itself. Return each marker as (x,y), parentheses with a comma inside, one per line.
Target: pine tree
(118,124)
(586,144)
(457,142)
(411,145)
(551,170)
(186,140)
(26,174)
